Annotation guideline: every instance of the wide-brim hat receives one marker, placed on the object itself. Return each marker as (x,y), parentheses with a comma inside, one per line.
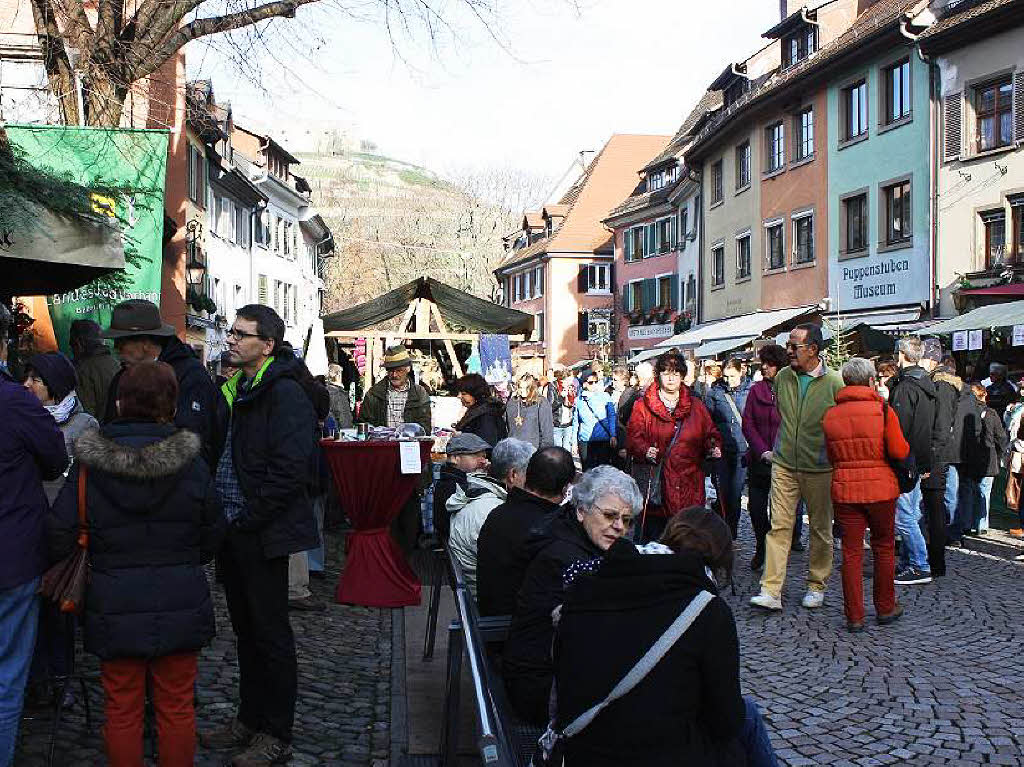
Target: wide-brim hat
(137,317)
(396,357)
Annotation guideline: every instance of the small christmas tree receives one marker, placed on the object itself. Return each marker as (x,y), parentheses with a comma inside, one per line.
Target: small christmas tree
(841,349)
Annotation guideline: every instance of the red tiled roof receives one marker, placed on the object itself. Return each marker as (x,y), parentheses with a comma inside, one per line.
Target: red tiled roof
(609,176)
(956,20)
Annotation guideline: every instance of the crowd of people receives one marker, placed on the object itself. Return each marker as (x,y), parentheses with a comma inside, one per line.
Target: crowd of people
(605,503)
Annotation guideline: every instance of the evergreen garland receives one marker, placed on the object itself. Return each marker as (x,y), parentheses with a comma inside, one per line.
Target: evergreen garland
(840,350)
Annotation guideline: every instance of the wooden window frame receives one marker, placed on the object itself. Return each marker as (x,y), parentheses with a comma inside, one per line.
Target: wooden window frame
(996,83)
(803,144)
(988,218)
(769,227)
(845,251)
(846,137)
(886,241)
(886,102)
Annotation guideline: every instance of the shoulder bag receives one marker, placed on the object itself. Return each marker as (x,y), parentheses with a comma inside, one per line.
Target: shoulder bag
(549,751)
(64,583)
(905,469)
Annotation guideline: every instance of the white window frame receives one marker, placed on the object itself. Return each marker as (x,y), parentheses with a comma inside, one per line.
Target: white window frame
(739,236)
(795,218)
(592,271)
(771,224)
(720,245)
(657,288)
(629,293)
(599,320)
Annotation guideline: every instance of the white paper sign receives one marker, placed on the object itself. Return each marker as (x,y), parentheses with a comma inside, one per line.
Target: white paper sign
(409,457)
(974,339)
(1018,335)
(960,341)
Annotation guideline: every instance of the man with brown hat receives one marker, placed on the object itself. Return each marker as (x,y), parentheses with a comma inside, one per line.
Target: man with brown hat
(391,402)
(140,335)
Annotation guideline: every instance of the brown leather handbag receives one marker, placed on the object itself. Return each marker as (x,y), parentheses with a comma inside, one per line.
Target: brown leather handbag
(64,583)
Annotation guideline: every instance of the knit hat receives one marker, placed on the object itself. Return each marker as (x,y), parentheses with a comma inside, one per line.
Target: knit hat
(57,373)
(932,350)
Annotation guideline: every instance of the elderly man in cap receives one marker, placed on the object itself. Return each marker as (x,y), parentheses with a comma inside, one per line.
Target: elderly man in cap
(467,454)
(95,366)
(140,335)
(391,402)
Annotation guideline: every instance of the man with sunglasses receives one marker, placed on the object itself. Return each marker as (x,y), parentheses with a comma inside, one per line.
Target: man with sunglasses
(265,478)
(804,391)
(141,335)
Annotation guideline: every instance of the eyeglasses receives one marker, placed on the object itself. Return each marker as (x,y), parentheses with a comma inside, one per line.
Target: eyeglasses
(611,517)
(235,333)
(794,347)
(590,381)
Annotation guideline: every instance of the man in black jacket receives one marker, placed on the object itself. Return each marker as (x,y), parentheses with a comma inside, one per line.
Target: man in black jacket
(912,396)
(944,445)
(502,552)
(140,335)
(265,475)
(1001,393)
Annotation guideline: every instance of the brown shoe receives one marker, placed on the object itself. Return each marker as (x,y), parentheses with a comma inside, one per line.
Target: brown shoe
(1015,532)
(264,751)
(886,618)
(230,735)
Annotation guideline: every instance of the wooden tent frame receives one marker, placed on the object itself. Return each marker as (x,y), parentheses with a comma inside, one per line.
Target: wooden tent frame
(425,311)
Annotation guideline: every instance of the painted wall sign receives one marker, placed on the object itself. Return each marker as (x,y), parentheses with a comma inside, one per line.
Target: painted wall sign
(867,283)
(640,332)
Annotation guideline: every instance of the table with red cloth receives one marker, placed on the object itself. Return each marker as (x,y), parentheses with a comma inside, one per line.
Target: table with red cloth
(372,491)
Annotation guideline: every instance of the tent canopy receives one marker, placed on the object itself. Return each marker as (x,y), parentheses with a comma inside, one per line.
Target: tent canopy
(982,318)
(475,314)
(744,326)
(57,254)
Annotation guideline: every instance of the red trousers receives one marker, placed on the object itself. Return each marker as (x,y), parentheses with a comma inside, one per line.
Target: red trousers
(854,518)
(172,681)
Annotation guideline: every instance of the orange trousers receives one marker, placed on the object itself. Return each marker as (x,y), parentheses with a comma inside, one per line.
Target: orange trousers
(172,679)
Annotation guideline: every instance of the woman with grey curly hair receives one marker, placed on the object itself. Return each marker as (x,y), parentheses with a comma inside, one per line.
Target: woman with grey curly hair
(606,501)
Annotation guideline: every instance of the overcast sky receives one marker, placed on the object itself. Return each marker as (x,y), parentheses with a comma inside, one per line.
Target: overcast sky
(566,76)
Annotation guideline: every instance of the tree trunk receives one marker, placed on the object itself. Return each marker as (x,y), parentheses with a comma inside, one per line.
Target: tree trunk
(105,95)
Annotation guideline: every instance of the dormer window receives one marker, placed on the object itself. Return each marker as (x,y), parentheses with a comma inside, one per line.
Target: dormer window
(735,91)
(655,181)
(799,45)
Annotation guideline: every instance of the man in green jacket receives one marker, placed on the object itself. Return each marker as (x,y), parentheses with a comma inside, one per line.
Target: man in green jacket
(391,402)
(800,468)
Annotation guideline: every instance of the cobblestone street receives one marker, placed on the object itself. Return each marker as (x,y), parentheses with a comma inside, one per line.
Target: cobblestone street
(941,686)
(343,711)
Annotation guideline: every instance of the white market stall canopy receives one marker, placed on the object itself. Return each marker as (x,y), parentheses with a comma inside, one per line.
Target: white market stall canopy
(982,318)
(56,253)
(712,349)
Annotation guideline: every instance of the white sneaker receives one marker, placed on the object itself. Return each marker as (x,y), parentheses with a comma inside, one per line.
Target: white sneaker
(767,601)
(813,599)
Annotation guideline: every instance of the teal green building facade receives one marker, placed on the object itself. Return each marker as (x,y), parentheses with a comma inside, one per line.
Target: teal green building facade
(879,182)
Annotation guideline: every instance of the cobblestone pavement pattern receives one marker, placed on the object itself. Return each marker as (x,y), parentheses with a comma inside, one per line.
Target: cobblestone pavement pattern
(944,685)
(343,712)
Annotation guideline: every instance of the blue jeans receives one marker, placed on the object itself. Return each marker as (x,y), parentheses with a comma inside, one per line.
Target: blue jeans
(986,493)
(950,497)
(316,556)
(563,437)
(754,737)
(732,476)
(913,550)
(19,618)
(970,507)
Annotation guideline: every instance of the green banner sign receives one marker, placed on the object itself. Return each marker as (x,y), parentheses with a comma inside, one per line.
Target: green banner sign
(135,159)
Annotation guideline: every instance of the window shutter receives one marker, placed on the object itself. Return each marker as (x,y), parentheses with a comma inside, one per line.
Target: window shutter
(672,233)
(1018,106)
(675,292)
(540,280)
(611,277)
(627,296)
(953,126)
(581,281)
(625,245)
(650,291)
(583,321)
(651,247)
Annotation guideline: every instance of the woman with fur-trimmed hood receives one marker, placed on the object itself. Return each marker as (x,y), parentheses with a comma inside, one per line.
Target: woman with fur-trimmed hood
(154,520)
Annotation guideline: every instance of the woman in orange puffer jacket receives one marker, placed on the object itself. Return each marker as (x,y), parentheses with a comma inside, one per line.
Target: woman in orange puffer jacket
(861,433)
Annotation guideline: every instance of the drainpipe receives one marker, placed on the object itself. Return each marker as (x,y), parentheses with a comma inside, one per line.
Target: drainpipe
(698,309)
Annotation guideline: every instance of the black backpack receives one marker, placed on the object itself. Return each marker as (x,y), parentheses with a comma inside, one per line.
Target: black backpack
(967,435)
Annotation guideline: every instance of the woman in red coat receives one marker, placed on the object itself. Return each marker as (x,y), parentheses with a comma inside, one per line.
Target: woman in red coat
(861,433)
(666,404)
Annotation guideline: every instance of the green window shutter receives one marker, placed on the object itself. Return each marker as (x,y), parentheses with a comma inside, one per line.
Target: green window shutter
(652,247)
(627,253)
(674,291)
(650,293)
(672,233)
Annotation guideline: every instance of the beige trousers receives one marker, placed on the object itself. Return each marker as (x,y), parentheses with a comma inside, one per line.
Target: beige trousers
(788,487)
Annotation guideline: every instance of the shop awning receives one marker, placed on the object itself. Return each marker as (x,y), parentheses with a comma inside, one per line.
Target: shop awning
(711,349)
(458,307)
(745,326)
(984,317)
(57,254)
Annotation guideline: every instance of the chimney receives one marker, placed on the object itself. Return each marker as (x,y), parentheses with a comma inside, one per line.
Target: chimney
(783,7)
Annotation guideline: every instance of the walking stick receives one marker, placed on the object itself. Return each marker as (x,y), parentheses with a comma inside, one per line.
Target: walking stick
(647,498)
